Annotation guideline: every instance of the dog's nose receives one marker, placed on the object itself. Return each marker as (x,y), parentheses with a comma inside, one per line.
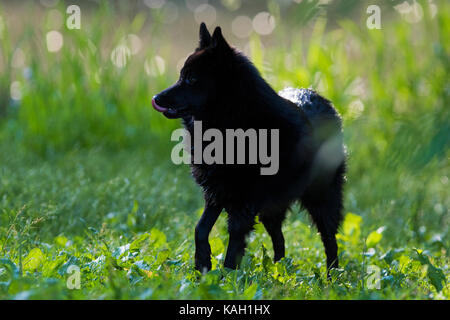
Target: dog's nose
(158,98)
(156,106)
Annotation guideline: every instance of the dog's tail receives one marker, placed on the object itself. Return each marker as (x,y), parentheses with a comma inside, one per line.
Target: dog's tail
(326,122)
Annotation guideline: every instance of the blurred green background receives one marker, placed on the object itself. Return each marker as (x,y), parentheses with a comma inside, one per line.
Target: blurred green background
(85,171)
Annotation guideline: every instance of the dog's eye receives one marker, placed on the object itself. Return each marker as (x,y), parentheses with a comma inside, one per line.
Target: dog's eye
(190,80)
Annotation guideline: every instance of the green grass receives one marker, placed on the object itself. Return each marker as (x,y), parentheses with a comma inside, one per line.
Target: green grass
(86,177)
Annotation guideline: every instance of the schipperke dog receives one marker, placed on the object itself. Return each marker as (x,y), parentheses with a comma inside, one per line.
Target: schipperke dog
(219,86)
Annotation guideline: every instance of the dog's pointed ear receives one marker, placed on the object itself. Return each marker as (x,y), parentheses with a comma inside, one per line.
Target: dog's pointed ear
(205,37)
(218,41)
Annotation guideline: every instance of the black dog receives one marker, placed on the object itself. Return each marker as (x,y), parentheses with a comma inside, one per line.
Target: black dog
(220,87)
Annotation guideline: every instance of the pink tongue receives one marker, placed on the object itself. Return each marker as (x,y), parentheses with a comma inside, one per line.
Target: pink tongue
(157,107)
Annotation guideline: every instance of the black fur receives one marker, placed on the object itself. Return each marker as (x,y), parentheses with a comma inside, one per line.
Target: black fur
(221,87)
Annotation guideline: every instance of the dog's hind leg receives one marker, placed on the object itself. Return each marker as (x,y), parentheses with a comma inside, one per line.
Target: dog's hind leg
(240,223)
(325,219)
(272,221)
(202,230)
(325,209)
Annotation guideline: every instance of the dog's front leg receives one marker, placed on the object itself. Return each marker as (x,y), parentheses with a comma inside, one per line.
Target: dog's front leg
(202,230)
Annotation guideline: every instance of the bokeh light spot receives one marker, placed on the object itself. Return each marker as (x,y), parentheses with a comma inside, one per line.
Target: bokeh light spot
(154,4)
(55,41)
(16,91)
(194,4)
(356,108)
(232,5)
(134,43)
(155,66)
(120,56)
(264,23)
(242,26)
(411,13)
(205,13)
(170,12)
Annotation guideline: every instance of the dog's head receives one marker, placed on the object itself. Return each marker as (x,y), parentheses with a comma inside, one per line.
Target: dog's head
(204,71)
